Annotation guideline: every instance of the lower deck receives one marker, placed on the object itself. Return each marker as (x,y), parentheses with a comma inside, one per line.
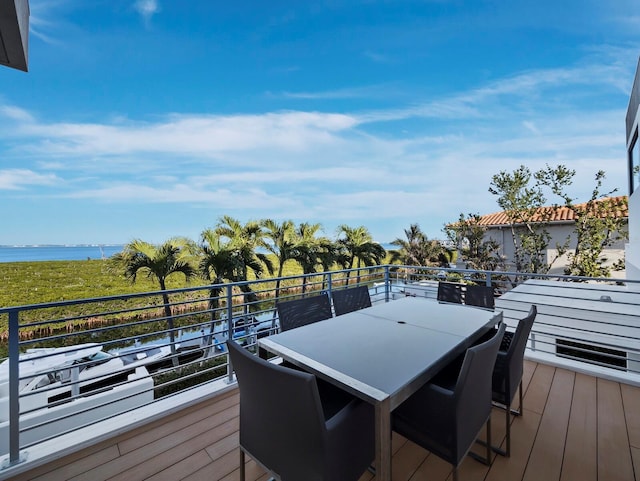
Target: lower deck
(574,427)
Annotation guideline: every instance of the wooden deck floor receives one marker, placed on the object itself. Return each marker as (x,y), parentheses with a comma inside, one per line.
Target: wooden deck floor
(575,427)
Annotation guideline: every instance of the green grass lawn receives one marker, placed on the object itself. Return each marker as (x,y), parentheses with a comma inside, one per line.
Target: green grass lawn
(50,281)
(27,283)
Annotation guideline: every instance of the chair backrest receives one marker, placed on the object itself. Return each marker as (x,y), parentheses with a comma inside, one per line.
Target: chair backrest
(281,419)
(301,312)
(510,364)
(472,393)
(481,296)
(450,292)
(352,299)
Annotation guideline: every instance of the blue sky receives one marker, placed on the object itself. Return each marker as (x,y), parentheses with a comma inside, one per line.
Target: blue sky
(152,118)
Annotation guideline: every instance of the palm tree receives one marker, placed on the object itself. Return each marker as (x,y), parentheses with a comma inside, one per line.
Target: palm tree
(327,256)
(308,249)
(220,261)
(245,239)
(280,241)
(417,249)
(158,262)
(357,248)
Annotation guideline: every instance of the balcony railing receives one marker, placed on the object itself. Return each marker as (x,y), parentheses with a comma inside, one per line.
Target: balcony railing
(115,354)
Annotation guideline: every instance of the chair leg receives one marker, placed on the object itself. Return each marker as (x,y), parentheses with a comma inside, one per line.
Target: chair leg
(513,411)
(518,412)
(507,451)
(521,405)
(242,469)
(489,441)
(496,449)
(455,473)
(487,444)
(508,412)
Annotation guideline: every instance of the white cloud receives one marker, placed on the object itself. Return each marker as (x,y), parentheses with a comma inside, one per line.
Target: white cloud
(372,91)
(179,193)
(356,167)
(351,174)
(530,126)
(16,113)
(147,9)
(510,93)
(16,179)
(46,20)
(193,135)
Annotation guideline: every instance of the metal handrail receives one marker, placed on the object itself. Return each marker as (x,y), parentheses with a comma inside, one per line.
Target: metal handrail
(389,281)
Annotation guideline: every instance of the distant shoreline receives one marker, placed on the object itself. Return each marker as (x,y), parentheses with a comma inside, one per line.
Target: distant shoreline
(34,246)
(37,253)
(75,252)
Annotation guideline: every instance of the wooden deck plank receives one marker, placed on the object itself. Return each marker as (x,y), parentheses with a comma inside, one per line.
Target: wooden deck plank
(226,444)
(498,428)
(406,461)
(179,470)
(635,456)
(527,373)
(253,473)
(523,434)
(573,425)
(538,388)
(580,454)
(546,457)
(193,415)
(86,463)
(432,468)
(177,452)
(69,467)
(614,455)
(187,438)
(223,466)
(631,402)
(472,470)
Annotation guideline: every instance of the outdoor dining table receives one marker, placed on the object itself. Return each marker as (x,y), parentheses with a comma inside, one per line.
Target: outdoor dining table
(384,353)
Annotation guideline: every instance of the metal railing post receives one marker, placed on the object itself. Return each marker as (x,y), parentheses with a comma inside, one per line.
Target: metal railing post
(229,289)
(329,284)
(387,284)
(488,279)
(75,382)
(14,383)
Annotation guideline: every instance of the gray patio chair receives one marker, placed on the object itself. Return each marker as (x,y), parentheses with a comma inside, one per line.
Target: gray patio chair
(446,415)
(301,312)
(450,292)
(293,432)
(507,374)
(480,296)
(351,299)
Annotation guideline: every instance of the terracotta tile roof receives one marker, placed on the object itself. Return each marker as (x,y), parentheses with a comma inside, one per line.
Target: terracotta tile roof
(556,214)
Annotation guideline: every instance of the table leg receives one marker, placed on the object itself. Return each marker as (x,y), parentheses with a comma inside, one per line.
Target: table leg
(383,440)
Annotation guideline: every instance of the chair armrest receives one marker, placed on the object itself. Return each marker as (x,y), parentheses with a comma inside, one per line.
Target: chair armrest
(351,434)
(435,391)
(352,410)
(429,398)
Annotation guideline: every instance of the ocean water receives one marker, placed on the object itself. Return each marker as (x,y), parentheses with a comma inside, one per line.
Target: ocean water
(69,253)
(57,252)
